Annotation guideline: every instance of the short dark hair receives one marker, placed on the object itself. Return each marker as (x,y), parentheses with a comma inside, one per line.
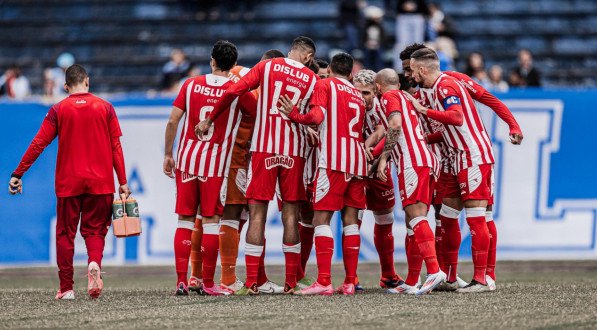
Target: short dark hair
(272,53)
(75,74)
(304,42)
(342,64)
(424,54)
(225,54)
(313,66)
(323,64)
(409,50)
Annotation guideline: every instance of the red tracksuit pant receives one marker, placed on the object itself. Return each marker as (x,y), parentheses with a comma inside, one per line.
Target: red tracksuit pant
(94,212)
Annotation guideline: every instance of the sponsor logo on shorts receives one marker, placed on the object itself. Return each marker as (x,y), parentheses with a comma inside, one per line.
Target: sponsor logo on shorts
(186,177)
(275,161)
(387,193)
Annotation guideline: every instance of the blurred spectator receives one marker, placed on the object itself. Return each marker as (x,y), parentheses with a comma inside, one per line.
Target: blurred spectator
(177,68)
(350,22)
(54,77)
(496,80)
(13,84)
(374,38)
(525,74)
(410,25)
(440,25)
(475,68)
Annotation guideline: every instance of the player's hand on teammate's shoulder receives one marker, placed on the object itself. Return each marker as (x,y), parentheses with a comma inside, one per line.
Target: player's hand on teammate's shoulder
(169,166)
(15,185)
(420,108)
(124,191)
(285,105)
(202,127)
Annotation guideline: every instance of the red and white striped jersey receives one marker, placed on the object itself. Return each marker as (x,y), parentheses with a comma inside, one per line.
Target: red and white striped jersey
(373,118)
(342,147)
(429,126)
(411,149)
(274,132)
(470,142)
(209,157)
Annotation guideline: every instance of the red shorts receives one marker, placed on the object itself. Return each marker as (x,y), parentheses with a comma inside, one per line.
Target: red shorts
(473,183)
(380,194)
(416,185)
(440,187)
(193,191)
(334,190)
(237,186)
(267,169)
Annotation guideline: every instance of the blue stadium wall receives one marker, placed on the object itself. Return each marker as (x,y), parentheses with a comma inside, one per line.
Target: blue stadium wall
(546,201)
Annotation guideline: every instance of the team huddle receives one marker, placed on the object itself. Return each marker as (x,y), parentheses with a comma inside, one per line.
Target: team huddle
(319,139)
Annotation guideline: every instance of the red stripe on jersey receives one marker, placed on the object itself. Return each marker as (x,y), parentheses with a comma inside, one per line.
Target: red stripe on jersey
(274,132)
(342,146)
(209,157)
(411,149)
(470,143)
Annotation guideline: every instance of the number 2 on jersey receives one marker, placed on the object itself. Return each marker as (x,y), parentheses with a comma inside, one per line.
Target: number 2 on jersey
(354,120)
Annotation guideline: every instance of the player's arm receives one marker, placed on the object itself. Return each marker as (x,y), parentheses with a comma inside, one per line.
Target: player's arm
(117,154)
(314,117)
(46,134)
(170,135)
(502,111)
(248,104)
(479,93)
(394,130)
(247,83)
(453,114)
(373,140)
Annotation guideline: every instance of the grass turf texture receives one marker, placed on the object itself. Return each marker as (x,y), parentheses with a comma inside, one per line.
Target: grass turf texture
(530,295)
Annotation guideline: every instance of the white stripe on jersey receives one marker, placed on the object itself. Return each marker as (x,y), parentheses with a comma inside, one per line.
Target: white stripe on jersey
(193,158)
(263,97)
(185,154)
(334,120)
(342,152)
(203,157)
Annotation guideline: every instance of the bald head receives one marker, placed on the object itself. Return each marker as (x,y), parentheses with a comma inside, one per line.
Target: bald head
(387,79)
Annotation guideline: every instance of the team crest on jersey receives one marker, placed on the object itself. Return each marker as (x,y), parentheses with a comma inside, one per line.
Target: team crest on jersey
(279,160)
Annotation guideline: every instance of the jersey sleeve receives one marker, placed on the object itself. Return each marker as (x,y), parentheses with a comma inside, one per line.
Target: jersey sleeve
(248,104)
(473,88)
(181,100)
(46,134)
(320,95)
(113,123)
(392,104)
(248,82)
(450,98)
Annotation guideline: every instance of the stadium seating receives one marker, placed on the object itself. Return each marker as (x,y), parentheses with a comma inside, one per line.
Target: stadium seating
(125,43)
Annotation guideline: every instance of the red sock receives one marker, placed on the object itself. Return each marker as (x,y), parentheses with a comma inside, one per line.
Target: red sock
(324,249)
(182,249)
(413,258)
(261,276)
(253,255)
(384,244)
(350,252)
(439,244)
(491,257)
(292,256)
(210,245)
(426,243)
(451,240)
(306,235)
(475,217)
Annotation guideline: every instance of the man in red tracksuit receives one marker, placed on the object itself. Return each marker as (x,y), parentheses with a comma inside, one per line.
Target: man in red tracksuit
(88,151)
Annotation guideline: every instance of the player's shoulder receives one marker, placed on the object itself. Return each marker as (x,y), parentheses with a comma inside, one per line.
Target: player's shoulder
(448,85)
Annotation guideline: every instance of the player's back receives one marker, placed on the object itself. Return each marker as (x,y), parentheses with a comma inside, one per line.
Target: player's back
(411,144)
(210,155)
(342,144)
(274,132)
(470,140)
